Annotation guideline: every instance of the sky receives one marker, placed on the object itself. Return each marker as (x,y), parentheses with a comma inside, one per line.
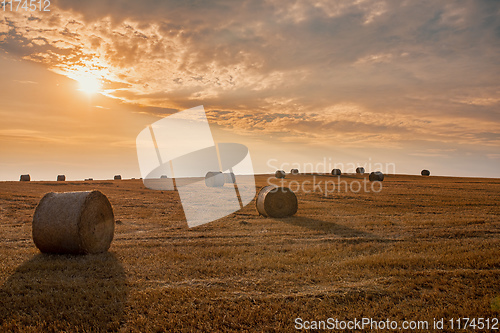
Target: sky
(410,84)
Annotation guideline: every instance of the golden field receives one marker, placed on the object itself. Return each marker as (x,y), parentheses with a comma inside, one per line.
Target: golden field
(422,248)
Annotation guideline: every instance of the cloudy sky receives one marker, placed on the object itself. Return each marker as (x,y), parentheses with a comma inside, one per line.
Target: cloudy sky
(409,83)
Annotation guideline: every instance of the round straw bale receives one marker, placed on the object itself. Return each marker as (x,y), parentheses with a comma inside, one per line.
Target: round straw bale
(117,177)
(376,176)
(88,179)
(229,178)
(425,172)
(163,176)
(273,201)
(214,179)
(61,178)
(279,174)
(73,223)
(294,171)
(360,170)
(336,172)
(25,178)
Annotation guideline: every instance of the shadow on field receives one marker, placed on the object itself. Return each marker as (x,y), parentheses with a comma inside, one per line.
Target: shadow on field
(65,293)
(326,227)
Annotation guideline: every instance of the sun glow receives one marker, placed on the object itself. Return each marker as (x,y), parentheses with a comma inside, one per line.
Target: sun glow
(89,84)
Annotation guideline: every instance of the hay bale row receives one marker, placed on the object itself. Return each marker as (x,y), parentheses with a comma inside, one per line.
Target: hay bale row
(25,178)
(294,171)
(214,179)
(376,176)
(336,172)
(273,201)
(425,172)
(73,223)
(280,174)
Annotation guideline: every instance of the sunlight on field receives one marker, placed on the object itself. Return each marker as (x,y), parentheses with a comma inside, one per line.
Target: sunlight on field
(420,249)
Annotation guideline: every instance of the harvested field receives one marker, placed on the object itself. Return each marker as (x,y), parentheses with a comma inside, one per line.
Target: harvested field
(422,248)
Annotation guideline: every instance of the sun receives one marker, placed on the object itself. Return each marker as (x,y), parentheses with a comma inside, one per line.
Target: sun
(89,84)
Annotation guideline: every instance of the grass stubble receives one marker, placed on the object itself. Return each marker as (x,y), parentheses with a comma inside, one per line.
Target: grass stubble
(422,248)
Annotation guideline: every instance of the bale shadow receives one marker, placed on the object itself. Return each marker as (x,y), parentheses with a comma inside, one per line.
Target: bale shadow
(65,293)
(327,227)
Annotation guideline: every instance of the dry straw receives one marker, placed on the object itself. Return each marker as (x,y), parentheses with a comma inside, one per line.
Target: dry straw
(360,170)
(25,178)
(294,171)
(425,172)
(61,178)
(273,201)
(117,177)
(376,176)
(336,172)
(214,179)
(229,178)
(73,223)
(279,174)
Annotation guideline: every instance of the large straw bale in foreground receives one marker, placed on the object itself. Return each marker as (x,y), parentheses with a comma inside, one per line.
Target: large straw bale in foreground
(275,201)
(73,223)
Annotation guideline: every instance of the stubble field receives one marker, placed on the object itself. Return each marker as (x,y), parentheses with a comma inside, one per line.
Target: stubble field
(422,248)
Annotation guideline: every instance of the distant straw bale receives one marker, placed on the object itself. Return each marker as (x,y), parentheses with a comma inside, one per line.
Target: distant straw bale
(214,179)
(279,174)
(117,177)
(61,178)
(229,178)
(25,178)
(294,171)
(376,176)
(273,201)
(336,172)
(360,170)
(425,172)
